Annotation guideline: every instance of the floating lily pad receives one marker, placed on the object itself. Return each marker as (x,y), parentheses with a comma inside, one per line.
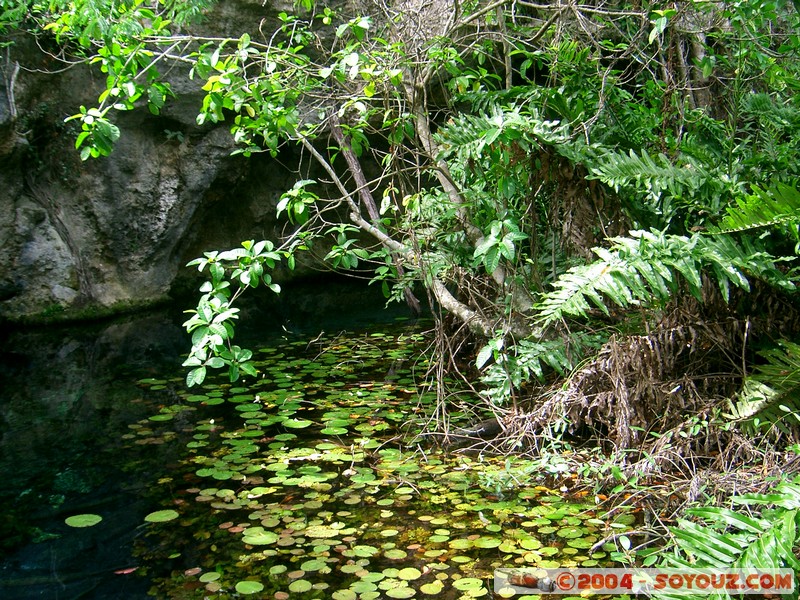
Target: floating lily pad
(320,531)
(401,592)
(365,551)
(431,589)
(409,574)
(249,587)
(161,516)
(570,532)
(313,565)
(277,569)
(85,520)
(197,398)
(334,431)
(299,586)
(297,423)
(162,417)
(258,536)
(467,583)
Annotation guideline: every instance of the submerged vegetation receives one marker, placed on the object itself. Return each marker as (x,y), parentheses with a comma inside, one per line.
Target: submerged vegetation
(599,204)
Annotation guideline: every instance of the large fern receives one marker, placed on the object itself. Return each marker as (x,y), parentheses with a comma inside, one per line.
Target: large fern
(653,175)
(770,398)
(644,269)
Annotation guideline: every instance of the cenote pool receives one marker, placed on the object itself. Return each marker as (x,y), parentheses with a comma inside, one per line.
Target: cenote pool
(119,482)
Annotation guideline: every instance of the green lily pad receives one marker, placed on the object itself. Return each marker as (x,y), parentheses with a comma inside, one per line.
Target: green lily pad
(467,583)
(249,587)
(409,574)
(320,531)
(334,431)
(313,565)
(161,516)
(258,536)
(570,532)
(431,589)
(299,586)
(401,592)
(365,551)
(162,417)
(85,520)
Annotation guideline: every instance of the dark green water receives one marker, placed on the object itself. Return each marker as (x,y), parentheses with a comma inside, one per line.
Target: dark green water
(69,395)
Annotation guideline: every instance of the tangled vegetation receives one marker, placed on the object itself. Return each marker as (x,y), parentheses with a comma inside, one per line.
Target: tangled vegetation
(598,201)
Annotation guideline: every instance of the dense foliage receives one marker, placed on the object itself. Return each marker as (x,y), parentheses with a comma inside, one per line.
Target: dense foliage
(600,200)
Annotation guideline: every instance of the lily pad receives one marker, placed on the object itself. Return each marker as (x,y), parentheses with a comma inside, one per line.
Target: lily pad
(162,516)
(85,520)
(297,423)
(409,574)
(320,531)
(299,586)
(249,587)
(467,583)
(258,536)
(431,589)
(401,592)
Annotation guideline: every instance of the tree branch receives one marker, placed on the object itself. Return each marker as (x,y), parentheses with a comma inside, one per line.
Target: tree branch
(355,168)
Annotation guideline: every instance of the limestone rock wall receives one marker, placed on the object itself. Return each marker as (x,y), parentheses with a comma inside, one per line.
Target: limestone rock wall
(81,237)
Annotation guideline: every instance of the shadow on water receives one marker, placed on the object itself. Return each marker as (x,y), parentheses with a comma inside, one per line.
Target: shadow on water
(70,394)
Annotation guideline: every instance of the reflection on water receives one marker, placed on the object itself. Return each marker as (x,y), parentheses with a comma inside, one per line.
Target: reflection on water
(68,397)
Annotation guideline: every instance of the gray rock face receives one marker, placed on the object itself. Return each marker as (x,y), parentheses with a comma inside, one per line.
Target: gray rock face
(117,231)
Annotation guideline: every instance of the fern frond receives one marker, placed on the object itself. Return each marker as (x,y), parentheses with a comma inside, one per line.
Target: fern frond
(471,133)
(530,358)
(487,102)
(653,175)
(644,267)
(764,109)
(778,206)
(771,396)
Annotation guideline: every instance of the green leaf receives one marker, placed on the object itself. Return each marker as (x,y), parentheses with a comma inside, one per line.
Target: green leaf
(196,376)
(484,356)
